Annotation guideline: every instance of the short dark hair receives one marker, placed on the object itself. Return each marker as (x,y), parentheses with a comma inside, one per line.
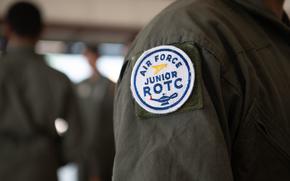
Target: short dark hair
(25,19)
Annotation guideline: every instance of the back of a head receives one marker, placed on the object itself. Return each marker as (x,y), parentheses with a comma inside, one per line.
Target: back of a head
(91,53)
(24,19)
(93,48)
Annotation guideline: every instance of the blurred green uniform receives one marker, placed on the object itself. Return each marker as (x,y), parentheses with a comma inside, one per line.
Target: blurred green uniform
(236,124)
(96,97)
(32,97)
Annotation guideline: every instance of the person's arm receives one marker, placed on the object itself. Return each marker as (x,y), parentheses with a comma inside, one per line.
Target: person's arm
(71,140)
(191,143)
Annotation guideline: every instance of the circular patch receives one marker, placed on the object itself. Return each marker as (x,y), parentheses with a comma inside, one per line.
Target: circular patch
(162,79)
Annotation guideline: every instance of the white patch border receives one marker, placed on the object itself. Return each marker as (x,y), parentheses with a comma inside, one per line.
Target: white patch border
(189,91)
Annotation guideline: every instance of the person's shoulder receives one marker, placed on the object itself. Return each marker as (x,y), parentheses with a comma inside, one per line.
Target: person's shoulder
(183,21)
(83,82)
(33,68)
(57,75)
(51,73)
(109,84)
(106,82)
(8,65)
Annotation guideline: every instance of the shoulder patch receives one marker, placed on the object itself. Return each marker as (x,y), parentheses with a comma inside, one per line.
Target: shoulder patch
(162,79)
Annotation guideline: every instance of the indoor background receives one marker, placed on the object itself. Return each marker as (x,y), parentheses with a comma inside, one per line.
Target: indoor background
(70,24)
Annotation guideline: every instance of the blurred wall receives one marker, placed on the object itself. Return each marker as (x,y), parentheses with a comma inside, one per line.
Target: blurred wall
(116,21)
(95,20)
(121,13)
(287,7)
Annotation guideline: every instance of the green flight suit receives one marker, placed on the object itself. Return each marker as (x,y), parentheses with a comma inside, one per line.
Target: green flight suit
(32,97)
(96,96)
(236,124)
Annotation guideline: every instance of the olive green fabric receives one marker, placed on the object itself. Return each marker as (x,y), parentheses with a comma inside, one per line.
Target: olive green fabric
(96,96)
(32,97)
(241,131)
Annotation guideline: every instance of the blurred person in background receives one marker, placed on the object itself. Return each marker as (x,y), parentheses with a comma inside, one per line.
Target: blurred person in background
(32,97)
(96,97)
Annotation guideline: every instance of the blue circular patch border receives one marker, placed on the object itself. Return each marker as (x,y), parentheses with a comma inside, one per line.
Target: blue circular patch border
(187,88)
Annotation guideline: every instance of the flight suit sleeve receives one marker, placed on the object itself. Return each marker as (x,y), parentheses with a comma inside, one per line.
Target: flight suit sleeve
(191,143)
